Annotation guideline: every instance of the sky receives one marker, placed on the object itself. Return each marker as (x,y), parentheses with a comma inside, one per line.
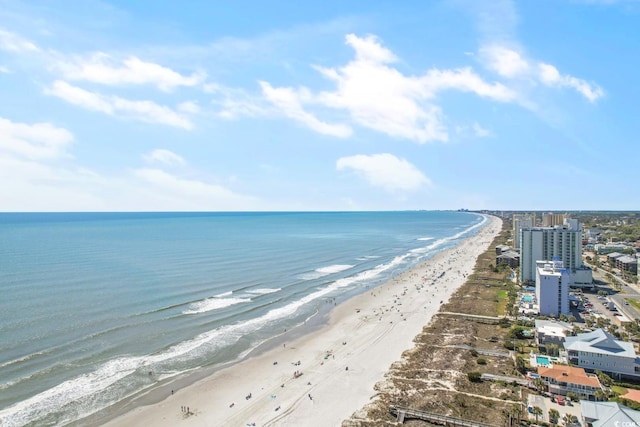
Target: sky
(319,106)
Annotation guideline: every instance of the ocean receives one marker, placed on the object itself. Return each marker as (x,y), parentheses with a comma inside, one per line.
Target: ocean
(97,308)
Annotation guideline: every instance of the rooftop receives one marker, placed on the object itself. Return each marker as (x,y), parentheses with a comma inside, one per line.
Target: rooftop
(570,374)
(601,342)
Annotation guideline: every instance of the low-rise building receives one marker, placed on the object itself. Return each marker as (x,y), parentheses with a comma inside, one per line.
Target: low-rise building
(552,332)
(599,350)
(568,379)
(627,263)
(510,257)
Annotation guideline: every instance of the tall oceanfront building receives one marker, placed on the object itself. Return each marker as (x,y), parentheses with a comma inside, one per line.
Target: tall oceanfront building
(519,222)
(562,242)
(550,219)
(552,288)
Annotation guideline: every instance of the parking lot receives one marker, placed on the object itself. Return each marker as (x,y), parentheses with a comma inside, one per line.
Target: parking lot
(546,404)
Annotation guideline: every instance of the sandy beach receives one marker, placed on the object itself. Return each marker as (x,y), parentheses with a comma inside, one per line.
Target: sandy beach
(321,378)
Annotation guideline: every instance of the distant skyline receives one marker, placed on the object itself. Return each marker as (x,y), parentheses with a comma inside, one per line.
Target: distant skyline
(328,106)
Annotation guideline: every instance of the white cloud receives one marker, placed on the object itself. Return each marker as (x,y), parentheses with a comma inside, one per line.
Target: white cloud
(165,157)
(504,61)
(4,70)
(190,107)
(14,43)
(289,102)
(146,111)
(34,141)
(480,132)
(104,69)
(380,97)
(511,64)
(385,171)
(193,194)
(550,76)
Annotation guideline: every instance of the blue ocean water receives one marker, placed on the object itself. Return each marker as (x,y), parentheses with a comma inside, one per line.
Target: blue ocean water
(92,303)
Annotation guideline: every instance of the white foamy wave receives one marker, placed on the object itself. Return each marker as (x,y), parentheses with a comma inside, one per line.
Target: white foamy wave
(325,271)
(263,291)
(210,304)
(425,238)
(86,387)
(224,294)
(444,240)
(334,268)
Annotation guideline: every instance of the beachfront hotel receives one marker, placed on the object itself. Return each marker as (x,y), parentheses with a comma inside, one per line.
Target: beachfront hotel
(599,350)
(544,243)
(552,288)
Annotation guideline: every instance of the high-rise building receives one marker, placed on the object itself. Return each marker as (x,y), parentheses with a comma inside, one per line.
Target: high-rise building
(552,288)
(520,221)
(545,243)
(550,219)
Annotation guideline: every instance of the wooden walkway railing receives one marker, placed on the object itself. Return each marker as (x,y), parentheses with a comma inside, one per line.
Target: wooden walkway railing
(406,413)
(475,317)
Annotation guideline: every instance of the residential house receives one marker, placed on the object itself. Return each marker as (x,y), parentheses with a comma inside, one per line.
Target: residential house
(562,379)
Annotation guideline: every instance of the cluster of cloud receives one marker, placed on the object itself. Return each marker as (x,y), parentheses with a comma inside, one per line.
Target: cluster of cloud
(378,96)
(370,91)
(34,141)
(100,68)
(104,69)
(511,64)
(385,171)
(146,111)
(33,158)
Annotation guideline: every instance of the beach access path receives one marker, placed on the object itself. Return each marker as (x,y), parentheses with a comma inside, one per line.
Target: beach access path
(321,378)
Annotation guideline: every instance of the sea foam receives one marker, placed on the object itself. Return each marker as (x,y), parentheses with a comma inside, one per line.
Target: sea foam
(210,304)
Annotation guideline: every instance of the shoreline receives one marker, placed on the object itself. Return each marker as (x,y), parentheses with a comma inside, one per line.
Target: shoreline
(323,371)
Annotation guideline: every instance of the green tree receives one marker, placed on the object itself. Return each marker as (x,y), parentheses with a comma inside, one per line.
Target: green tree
(474,377)
(573,396)
(601,396)
(554,416)
(540,384)
(536,411)
(605,379)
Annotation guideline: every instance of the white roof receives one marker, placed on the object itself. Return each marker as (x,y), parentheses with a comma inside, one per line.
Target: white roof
(601,342)
(608,414)
(553,328)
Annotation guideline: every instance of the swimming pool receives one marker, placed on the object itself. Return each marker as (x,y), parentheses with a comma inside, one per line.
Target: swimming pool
(527,298)
(542,360)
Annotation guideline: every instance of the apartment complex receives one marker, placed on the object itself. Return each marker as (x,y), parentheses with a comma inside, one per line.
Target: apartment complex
(552,288)
(545,243)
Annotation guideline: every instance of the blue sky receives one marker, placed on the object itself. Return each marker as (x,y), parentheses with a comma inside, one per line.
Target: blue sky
(333,105)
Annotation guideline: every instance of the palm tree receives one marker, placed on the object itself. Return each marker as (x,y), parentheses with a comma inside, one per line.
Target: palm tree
(540,384)
(554,415)
(600,395)
(536,411)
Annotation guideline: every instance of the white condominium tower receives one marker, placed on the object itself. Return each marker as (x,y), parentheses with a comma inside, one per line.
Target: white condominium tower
(544,243)
(552,288)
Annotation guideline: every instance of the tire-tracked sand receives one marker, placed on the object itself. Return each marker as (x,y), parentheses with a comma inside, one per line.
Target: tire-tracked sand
(340,363)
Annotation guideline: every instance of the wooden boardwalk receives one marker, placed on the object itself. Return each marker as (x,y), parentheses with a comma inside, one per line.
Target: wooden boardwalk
(405,413)
(475,317)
